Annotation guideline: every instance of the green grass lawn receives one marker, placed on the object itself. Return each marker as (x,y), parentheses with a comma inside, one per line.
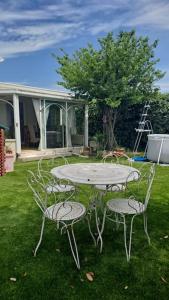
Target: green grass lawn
(53,275)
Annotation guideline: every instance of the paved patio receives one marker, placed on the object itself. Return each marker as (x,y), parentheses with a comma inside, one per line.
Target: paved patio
(29,155)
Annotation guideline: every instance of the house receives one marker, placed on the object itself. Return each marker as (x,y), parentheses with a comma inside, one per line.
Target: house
(42,119)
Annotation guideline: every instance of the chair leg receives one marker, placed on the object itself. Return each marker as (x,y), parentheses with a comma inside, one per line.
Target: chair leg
(131,232)
(117,221)
(91,233)
(125,236)
(101,231)
(41,235)
(103,221)
(145,227)
(73,245)
(128,245)
(99,238)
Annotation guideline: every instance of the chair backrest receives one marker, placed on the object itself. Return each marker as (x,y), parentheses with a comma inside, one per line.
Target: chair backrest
(118,158)
(132,183)
(139,184)
(123,159)
(47,165)
(39,185)
(150,179)
(56,161)
(33,138)
(36,184)
(110,158)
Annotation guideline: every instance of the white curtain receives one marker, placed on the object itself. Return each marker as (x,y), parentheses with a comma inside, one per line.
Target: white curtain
(72,120)
(47,113)
(63,122)
(37,107)
(71,123)
(63,116)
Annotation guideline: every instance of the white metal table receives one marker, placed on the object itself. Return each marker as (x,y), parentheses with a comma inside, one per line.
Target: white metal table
(95,174)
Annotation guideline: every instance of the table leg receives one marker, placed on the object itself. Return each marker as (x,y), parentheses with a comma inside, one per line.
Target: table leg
(96,204)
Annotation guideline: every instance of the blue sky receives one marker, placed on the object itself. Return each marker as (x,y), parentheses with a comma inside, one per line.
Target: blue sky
(31,30)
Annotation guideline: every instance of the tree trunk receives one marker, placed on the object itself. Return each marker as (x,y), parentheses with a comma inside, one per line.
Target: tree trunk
(109,121)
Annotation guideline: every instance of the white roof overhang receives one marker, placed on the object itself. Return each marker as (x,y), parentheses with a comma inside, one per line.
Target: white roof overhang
(37,93)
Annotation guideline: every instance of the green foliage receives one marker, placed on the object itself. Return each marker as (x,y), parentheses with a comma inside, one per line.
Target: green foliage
(159,114)
(127,120)
(122,68)
(129,116)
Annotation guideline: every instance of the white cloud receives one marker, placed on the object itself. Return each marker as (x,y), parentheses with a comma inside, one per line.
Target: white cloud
(25,28)
(34,38)
(105,26)
(1,59)
(153,13)
(64,9)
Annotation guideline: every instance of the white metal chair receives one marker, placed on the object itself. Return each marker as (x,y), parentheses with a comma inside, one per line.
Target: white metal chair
(52,185)
(120,157)
(113,158)
(57,207)
(117,210)
(33,139)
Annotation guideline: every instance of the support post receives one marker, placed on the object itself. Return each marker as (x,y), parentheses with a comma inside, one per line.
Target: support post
(86,127)
(40,126)
(67,133)
(44,122)
(17,123)
(159,155)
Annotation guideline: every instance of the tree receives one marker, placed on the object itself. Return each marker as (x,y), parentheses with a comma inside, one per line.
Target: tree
(159,114)
(121,70)
(128,118)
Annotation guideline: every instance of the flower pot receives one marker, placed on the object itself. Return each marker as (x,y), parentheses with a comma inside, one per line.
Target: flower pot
(86,151)
(120,150)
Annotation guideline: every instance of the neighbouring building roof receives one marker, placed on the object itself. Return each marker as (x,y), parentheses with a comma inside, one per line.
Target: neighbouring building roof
(35,92)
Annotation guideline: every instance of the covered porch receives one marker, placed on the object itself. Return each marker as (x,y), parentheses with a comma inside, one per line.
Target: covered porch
(40,119)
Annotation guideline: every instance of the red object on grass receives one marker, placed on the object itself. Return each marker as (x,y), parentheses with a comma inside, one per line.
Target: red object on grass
(2,153)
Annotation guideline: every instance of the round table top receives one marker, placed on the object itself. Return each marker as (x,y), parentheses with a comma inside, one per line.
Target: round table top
(95,173)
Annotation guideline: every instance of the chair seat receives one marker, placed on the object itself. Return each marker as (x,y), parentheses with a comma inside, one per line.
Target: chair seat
(110,188)
(65,211)
(59,188)
(126,206)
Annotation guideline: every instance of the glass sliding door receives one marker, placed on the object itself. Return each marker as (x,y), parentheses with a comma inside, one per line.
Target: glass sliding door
(55,129)
(76,124)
